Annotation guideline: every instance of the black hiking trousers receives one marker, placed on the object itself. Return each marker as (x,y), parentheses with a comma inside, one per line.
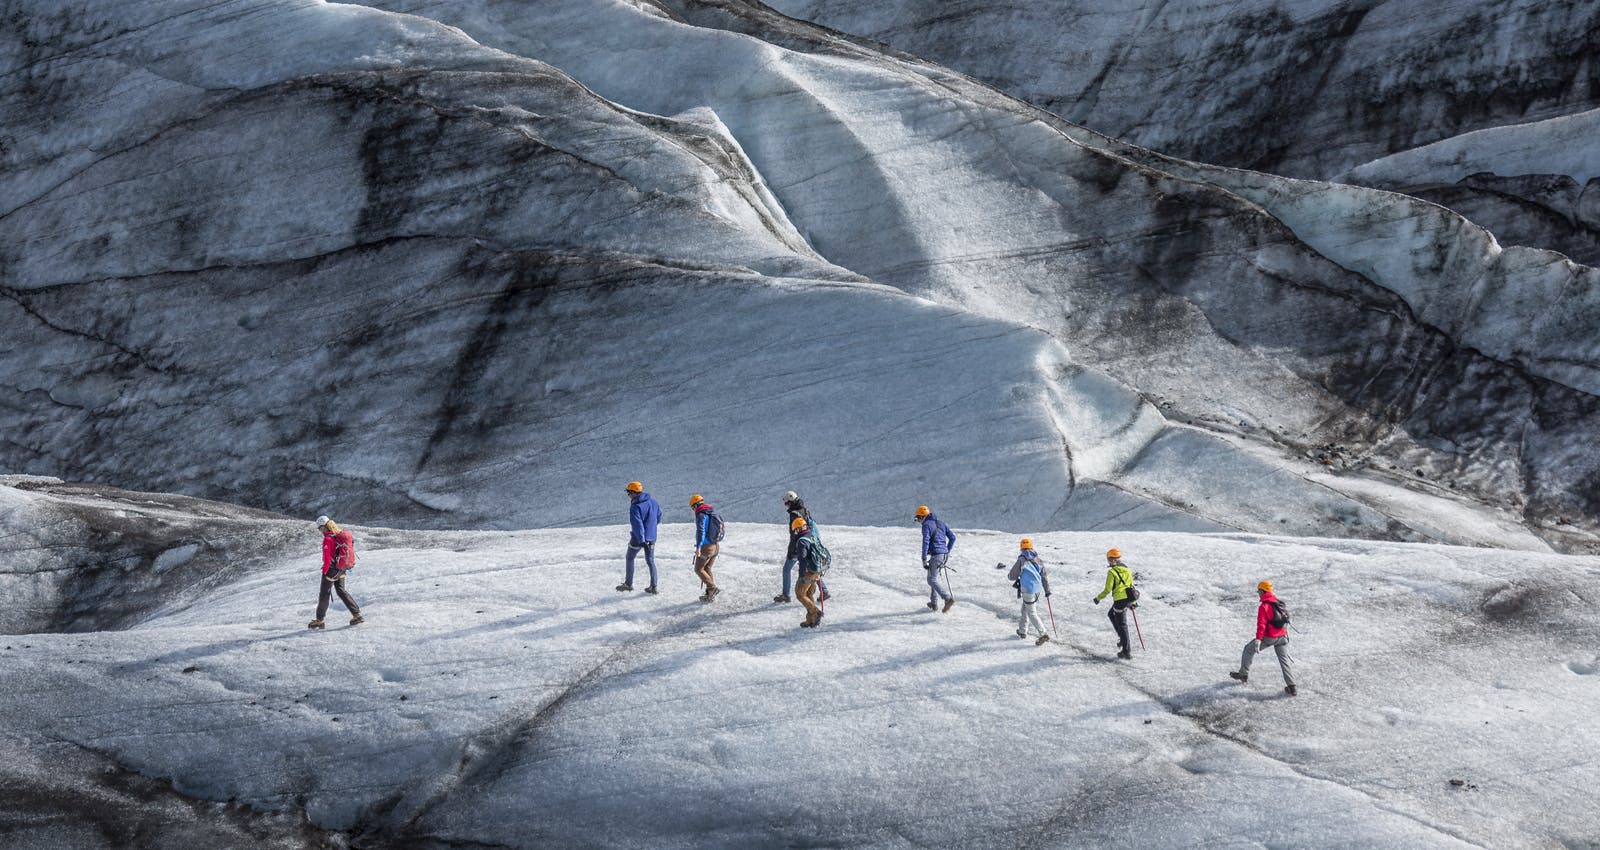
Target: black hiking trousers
(333,582)
(1119,621)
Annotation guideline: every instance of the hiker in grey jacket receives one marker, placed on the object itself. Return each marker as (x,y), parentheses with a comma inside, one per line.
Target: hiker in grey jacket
(1030,578)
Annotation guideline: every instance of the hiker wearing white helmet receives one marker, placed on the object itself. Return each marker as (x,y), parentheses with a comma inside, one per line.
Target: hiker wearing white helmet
(791,557)
(338,558)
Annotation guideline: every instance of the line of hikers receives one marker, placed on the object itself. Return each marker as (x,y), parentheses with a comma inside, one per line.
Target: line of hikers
(1028,575)
(806,552)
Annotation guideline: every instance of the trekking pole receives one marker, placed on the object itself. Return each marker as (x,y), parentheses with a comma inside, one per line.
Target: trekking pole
(1136,628)
(1053,619)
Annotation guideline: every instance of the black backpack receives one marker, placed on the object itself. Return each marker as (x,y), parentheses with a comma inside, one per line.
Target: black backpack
(1133,592)
(1280,614)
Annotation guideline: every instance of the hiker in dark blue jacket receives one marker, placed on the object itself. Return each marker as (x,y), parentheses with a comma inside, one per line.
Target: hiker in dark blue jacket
(937,541)
(643,517)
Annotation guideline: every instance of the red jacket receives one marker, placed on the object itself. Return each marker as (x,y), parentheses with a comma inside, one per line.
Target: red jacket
(338,551)
(1264,626)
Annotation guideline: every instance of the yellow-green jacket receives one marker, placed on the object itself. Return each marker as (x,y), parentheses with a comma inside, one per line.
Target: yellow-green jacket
(1118,579)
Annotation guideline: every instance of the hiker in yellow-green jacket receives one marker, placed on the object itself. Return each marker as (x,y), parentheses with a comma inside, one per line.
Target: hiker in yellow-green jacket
(1119,581)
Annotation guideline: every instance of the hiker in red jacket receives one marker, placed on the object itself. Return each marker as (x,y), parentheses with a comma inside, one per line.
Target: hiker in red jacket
(1267,634)
(338,556)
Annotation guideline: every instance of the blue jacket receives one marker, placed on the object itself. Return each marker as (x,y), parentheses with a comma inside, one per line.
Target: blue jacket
(643,518)
(937,538)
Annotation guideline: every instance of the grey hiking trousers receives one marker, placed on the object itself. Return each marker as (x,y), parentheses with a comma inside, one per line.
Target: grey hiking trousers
(936,565)
(1279,645)
(1029,615)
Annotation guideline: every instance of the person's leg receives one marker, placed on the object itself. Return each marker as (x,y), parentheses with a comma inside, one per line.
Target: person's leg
(345,597)
(804,591)
(650,560)
(1033,613)
(1285,663)
(788,573)
(933,582)
(709,557)
(936,566)
(322,596)
(1246,657)
(627,578)
(1022,621)
(1119,622)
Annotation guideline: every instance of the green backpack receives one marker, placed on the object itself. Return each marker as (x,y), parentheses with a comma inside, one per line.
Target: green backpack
(821,558)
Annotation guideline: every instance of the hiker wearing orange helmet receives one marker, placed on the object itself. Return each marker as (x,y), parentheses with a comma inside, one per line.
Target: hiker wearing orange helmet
(797,510)
(1272,621)
(1031,580)
(708,530)
(806,588)
(1119,586)
(644,515)
(937,542)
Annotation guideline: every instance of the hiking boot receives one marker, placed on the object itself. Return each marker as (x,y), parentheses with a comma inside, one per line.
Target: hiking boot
(1126,655)
(933,606)
(624,586)
(650,589)
(1289,690)
(948,604)
(314,624)
(782,597)
(711,593)
(1021,633)
(807,624)
(1238,677)
(357,619)
(1043,639)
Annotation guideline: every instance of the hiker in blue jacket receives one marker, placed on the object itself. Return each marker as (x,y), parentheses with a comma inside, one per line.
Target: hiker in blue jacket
(707,539)
(643,517)
(937,541)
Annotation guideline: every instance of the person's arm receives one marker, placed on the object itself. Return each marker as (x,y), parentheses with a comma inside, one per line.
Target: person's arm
(702,528)
(1044,576)
(1111,584)
(636,521)
(1016,569)
(949,537)
(327,552)
(1263,614)
(927,536)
